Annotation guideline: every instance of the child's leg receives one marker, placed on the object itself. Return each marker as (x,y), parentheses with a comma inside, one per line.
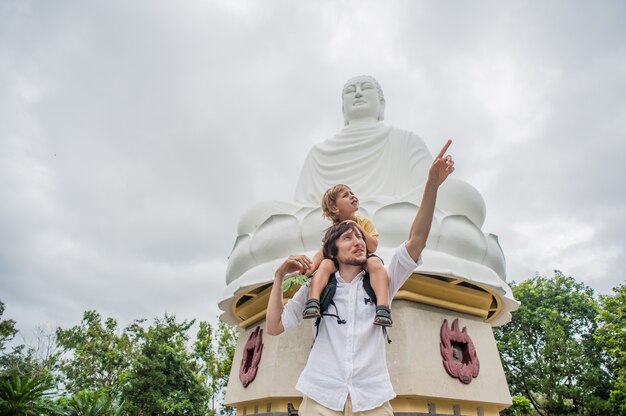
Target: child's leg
(320,278)
(379,280)
(317,259)
(380,284)
(317,285)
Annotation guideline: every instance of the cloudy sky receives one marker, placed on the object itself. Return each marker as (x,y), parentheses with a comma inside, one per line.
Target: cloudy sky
(133,134)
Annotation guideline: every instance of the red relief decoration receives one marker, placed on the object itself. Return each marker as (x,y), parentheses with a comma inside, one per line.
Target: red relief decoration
(458,352)
(251,357)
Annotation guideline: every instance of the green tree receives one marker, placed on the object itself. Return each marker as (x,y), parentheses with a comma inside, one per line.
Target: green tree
(97,355)
(25,396)
(214,350)
(37,361)
(166,380)
(521,407)
(548,349)
(90,403)
(7,329)
(611,334)
(7,333)
(153,369)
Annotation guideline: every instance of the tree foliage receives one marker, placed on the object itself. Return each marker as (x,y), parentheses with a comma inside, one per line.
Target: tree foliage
(7,329)
(37,361)
(612,337)
(521,407)
(95,368)
(165,379)
(214,350)
(25,396)
(549,351)
(90,403)
(98,355)
(153,370)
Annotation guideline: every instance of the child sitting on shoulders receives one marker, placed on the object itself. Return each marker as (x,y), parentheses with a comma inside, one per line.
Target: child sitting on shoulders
(339,204)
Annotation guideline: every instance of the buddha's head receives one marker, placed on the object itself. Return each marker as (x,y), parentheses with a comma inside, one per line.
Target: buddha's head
(362,99)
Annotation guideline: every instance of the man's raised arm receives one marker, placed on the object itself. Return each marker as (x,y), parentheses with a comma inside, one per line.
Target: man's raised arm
(439,171)
(297,263)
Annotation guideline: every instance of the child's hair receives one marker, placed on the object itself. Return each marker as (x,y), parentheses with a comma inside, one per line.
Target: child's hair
(329,199)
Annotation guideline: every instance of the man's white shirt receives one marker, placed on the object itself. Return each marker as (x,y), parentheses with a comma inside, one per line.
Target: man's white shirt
(349,358)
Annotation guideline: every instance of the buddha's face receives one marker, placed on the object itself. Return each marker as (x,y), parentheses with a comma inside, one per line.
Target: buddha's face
(361,100)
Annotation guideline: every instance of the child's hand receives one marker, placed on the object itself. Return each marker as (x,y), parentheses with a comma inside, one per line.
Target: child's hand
(357,226)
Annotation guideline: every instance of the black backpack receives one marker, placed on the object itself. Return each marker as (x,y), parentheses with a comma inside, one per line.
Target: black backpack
(326,300)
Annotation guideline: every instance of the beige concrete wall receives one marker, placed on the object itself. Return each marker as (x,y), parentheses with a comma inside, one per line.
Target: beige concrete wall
(413,358)
(282,362)
(415,362)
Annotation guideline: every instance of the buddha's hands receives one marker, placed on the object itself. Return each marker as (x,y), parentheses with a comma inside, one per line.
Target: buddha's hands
(442,166)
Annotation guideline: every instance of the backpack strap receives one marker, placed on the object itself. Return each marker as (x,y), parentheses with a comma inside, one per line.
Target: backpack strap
(368,289)
(326,297)
(326,300)
(367,285)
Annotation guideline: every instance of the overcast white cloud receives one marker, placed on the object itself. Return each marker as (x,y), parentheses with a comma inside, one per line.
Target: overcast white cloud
(134,134)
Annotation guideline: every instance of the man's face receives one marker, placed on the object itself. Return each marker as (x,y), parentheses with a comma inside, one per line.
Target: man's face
(351,248)
(360,99)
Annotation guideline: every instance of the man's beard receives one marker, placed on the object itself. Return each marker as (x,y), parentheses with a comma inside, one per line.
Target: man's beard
(352,261)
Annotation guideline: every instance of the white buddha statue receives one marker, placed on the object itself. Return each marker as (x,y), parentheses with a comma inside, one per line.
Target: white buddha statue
(386,168)
(462,275)
(377,161)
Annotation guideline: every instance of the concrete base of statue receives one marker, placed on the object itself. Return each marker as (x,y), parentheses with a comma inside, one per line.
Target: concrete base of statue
(415,365)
